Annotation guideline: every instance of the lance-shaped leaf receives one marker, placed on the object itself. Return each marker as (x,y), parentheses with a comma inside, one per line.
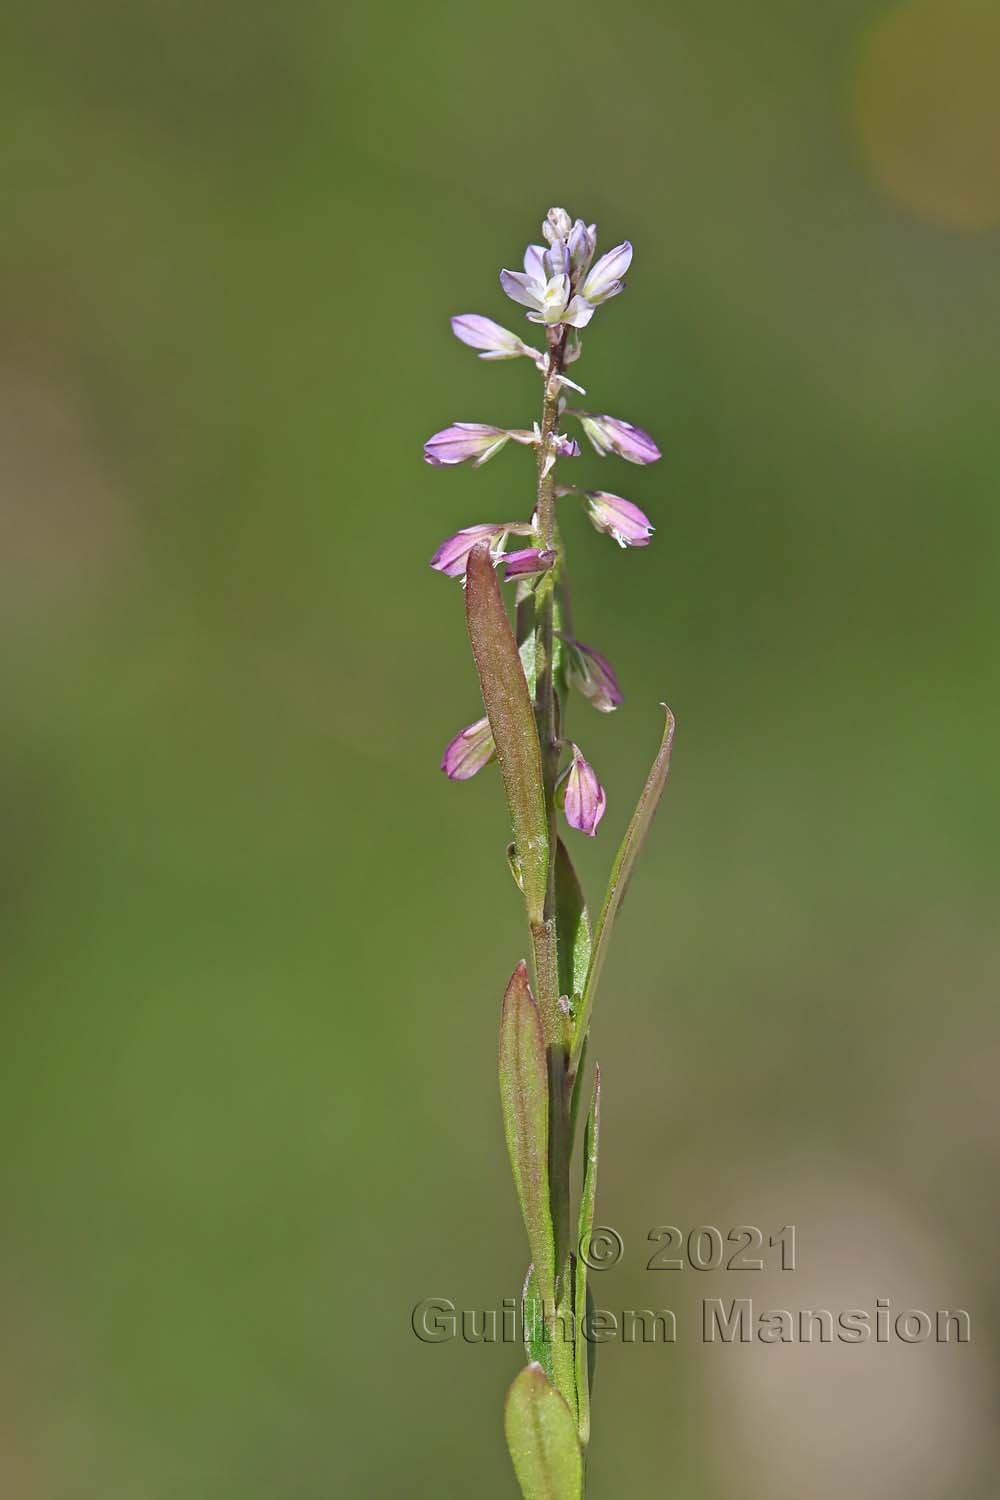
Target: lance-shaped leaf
(577,1087)
(584,1350)
(512,722)
(541,1436)
(621,871)
(573,928)
(524,1096)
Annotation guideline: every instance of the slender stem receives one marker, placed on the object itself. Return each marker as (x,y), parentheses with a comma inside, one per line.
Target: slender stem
(544,935)
(546,701)
(546,697)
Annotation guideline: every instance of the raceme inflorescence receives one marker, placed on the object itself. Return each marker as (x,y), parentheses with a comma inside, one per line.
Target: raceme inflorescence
(527,672)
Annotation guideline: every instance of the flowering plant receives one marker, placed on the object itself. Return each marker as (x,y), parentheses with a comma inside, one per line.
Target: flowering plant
(525,674)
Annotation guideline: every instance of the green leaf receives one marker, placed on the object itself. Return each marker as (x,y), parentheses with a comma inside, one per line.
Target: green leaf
(573,928)
(577,1086)
(537,1344)
(512,721)
(591,1142)
(621,872)
(524,1096)
(591,1345)
(541,1436)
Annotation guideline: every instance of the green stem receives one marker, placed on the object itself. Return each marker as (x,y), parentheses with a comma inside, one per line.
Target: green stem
(544,936)
(546,697)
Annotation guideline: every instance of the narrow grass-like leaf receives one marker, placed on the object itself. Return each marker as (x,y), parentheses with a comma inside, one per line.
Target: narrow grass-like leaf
(621,870)
(524,1096)
(591,1322)
(541,1436)
(577,1087)
(512,721)
(573,927)
(591,1143)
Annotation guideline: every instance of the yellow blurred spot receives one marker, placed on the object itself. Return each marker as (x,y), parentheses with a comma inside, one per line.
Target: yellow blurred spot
(927,107)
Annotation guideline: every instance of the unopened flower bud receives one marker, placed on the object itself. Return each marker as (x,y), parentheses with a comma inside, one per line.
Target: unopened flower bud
(470,750)
(582,243)
(557,225)
(464,442)
(526,563)
(592,675)
(619,518)
(583,796)
(605,280)
(493,341)
(452,557)
(611,435)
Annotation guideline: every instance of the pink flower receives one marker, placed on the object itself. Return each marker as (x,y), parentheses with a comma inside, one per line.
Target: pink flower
(493,341)
(611,435)
(605,279)
(525,564)
(617,517)
(470,750)
(464,442)
(592,675)
(583,796)
(452,557)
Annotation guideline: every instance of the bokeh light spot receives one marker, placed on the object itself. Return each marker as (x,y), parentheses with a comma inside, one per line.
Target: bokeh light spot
(926,104)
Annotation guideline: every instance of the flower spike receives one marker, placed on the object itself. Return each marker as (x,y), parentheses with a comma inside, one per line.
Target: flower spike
(528,660)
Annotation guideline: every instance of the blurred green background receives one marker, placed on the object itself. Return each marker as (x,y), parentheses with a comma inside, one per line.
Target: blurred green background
(253,943)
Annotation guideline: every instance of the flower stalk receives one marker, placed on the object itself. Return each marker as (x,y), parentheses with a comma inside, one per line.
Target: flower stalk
(525,674)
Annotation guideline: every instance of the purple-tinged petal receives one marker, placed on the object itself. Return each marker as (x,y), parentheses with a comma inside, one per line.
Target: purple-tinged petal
(584,800)
(470,750)
(557,260)
(524,289)
(452,556)
(619,518)
(534,263)
(578,313)
(566,447)
(611,435)
(464,442)
(612,291)
(483,334)
(526,563)
(604,280)
(582,243)
(593,676)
